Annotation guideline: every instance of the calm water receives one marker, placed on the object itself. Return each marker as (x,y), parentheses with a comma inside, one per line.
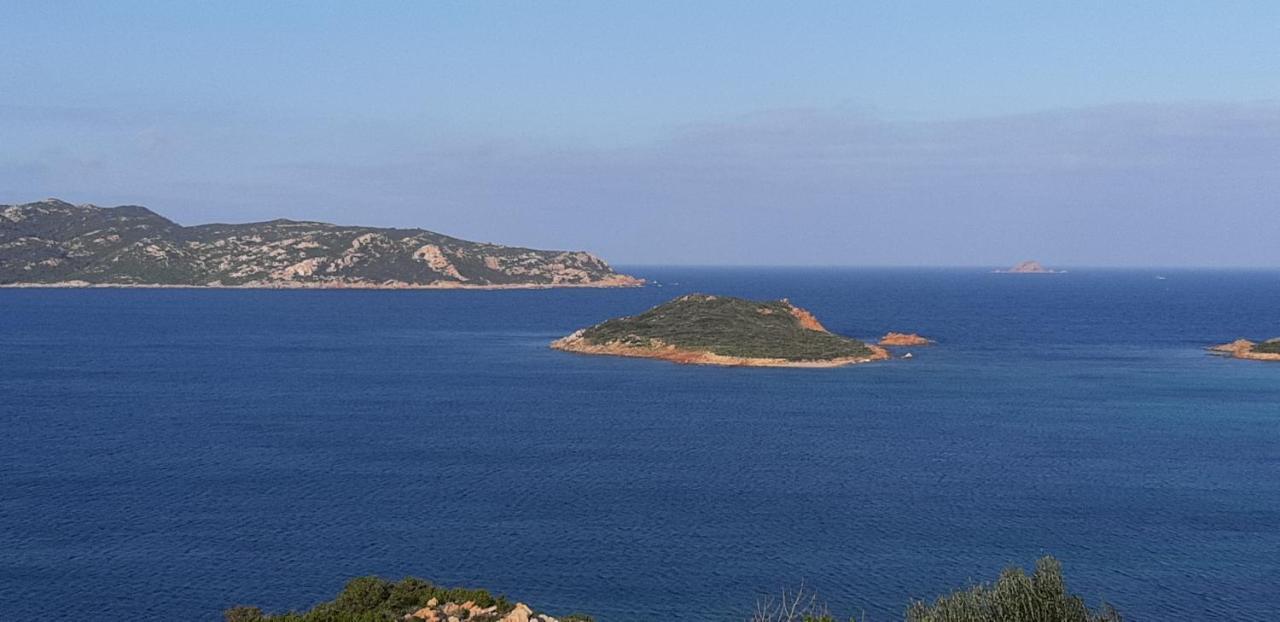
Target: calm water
(169,453)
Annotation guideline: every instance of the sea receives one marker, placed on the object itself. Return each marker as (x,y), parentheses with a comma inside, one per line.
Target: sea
(168,453)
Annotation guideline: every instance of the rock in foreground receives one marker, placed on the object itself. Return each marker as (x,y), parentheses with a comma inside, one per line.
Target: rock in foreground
(720,330)
(54,243)
(408,600)
(1244,349)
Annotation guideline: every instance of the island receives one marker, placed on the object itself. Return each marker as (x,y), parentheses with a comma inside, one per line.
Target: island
(702,329)
(53,243)
(1254,351)
(904,340)
(1030,267)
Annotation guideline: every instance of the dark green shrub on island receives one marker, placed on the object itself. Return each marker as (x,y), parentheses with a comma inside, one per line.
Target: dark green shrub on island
(729,326)
(1271,346)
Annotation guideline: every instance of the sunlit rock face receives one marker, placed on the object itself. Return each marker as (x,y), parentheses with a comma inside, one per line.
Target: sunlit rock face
(52,242)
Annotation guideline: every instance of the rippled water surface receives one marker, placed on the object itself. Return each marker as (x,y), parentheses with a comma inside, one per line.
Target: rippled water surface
(168,453)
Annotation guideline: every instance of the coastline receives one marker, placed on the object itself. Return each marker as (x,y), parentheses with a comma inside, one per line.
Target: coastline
(1243,349)
(576,344)
(438,285)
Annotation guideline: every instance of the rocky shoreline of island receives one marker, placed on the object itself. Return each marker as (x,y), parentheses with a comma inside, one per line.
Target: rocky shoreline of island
(1249,350)
(656,349)
(703,329)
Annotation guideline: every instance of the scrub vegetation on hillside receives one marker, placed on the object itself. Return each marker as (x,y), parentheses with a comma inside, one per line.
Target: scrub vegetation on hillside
(727,326)
(1014,597)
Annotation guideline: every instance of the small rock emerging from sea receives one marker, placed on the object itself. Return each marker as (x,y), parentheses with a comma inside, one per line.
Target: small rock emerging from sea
(904,339)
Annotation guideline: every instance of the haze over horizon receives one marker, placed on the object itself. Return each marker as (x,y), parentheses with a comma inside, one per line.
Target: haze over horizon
(1146,134)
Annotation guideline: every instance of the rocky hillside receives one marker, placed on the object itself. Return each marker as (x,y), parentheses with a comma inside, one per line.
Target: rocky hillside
(723,330)
(56,243)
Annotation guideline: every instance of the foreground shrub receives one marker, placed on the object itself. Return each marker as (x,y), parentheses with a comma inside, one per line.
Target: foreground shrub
(1014,597)
(373,599)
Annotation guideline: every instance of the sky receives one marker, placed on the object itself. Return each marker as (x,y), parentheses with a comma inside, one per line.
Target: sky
(654,132)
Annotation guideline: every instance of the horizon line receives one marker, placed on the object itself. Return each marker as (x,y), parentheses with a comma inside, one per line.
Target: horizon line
(1064,268)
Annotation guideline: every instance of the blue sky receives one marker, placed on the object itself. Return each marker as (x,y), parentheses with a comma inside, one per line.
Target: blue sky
(840,133)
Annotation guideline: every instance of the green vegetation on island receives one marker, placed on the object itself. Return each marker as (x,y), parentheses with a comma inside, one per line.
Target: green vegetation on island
(1015,597)
(1271,346)
(1244,349)
(721,326)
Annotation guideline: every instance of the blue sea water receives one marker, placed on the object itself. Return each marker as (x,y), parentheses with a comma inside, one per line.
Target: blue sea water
(168,453)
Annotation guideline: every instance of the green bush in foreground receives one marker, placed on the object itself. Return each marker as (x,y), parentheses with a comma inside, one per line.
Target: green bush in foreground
(1014,597)
(373,599)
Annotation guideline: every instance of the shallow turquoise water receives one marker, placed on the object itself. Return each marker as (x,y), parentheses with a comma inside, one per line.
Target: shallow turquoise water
(182,451)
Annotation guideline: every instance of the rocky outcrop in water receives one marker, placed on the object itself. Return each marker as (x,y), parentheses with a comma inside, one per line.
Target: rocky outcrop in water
(903,340)
(1245,349)
(55,243)
(1029,267)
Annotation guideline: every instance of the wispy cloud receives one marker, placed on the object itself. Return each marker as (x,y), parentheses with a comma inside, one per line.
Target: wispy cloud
(1131,184)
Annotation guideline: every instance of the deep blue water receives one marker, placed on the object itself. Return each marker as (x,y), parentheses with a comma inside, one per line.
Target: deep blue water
(168,453)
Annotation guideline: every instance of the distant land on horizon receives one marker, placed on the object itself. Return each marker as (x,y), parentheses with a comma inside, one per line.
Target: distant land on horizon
(1030,267)
(53,243)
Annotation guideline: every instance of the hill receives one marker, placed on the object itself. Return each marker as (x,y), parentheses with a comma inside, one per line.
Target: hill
(53,242)
(722,330)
